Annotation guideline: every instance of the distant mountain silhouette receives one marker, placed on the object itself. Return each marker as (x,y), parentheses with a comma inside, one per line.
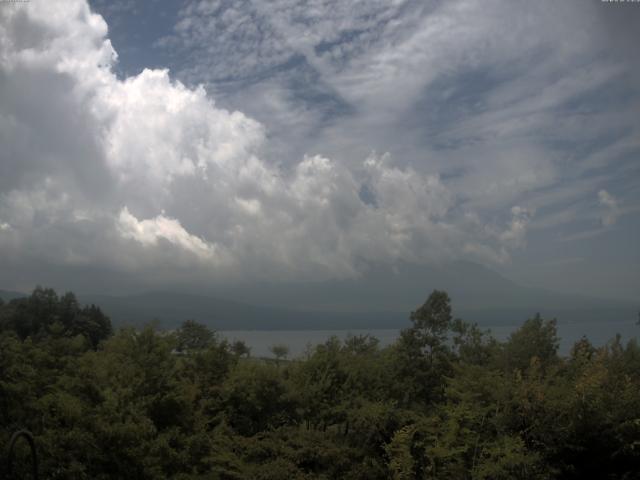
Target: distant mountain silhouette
(475,290)
(170,309)
(382,297)
(7,295)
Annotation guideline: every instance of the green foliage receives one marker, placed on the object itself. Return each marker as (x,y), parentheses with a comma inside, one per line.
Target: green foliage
(279,351)
(422,357)
(44,314)
(257,398)
(433,319)
(240,349)
(535,338)
(445,401)
(192,336)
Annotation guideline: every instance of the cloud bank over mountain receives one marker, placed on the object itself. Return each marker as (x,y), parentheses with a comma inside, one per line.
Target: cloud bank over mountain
(144,174)
(294,141)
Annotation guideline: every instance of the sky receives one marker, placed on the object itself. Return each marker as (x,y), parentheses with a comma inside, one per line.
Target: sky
(174,144)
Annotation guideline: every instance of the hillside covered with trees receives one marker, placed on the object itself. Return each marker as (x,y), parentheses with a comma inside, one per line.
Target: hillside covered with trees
(446,401)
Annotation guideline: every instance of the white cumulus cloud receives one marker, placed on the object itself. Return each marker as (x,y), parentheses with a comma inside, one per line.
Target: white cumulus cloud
(150,232)
(142,173)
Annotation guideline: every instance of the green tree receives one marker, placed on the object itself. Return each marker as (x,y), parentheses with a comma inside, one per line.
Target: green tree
(43,313)
(193,336)
(432,321)
(445,401)
(240,349)
(473,345)
(535,338)
(257,398)
(279,351)
(422,357)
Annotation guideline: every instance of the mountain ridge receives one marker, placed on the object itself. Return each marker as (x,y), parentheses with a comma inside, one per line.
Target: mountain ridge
(382,297)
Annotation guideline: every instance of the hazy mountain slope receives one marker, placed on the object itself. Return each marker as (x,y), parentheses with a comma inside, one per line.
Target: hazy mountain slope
(383,298)
(470,285)
(7,295)
(171,308)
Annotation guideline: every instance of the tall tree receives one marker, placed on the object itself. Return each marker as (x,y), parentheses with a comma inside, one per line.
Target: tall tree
(422,356)
(193,336)
(535,338)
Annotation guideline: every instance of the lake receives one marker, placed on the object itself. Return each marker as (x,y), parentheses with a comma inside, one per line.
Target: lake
(297,340)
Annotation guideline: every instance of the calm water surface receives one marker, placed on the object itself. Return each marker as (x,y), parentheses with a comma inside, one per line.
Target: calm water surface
(299,340)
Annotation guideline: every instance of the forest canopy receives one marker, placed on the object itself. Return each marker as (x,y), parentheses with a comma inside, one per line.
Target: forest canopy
(446,400)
